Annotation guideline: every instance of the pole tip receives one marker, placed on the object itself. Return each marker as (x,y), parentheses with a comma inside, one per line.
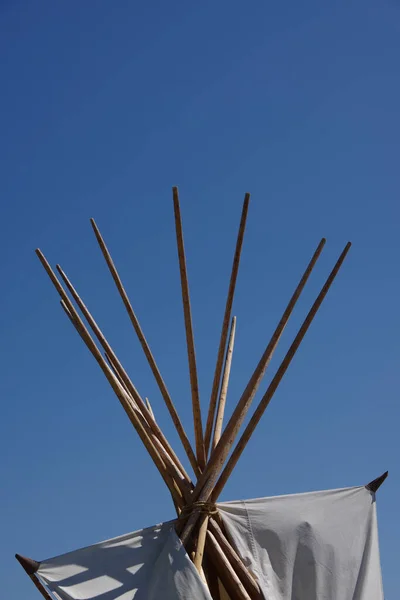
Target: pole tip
(374,485)
(28,564)
(95,228)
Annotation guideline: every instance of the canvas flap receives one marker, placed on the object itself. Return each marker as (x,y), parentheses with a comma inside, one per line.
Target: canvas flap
(314,546)
(145,565)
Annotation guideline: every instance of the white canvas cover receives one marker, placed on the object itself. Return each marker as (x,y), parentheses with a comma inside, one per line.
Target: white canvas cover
(150,564)
(314,546)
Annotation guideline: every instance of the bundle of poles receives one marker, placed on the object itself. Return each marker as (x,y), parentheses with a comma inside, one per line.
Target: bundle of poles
(214,455)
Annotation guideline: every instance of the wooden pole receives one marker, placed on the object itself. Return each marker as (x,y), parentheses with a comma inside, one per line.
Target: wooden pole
(113,381)
(101,337)
(225,324)
(224,386)
(133,412)
(174,468)
(242,572)
(149,408)
(227,574)
(184,488)
(204,520)
(30,567)
(146,348)
(373,486)
(180,490)
(255,419)
(224,445)
(180,479)
(226,549)
(109,360)
(206,491)
(201,540)
(212,578)
(117,366)
(198,428)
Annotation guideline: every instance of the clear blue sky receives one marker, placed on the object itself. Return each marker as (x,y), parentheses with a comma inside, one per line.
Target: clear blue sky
(106,105)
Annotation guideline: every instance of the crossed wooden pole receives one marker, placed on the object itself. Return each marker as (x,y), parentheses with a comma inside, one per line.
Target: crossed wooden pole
(214,455)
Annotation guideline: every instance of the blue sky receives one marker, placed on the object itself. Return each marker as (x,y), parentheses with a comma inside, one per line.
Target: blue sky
(104,107)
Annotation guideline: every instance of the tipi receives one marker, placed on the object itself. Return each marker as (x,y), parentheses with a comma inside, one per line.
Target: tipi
(313,546)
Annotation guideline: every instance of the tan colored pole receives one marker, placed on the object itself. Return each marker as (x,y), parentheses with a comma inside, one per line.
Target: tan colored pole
(224,386)
(255,419)
(146,348)
(198,428)
(117,366)
(208,487)
(132,411)
(204,520)
(225,324)
(223,447)
(201,541)
(110,363)
(113,381)
(226,572)
(177,479)
(170,465)
(149,408)
(181,489)
(242,572)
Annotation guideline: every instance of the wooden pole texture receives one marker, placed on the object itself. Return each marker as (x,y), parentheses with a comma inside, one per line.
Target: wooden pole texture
(30,567)
(225,548)
(201,541)
(226,572)
(117,366)
(110,361)
(242,572)
(255,419)
(182,488)
(212,579)
(113,381)
(172,473)
(198,428)
(170,464)
(224,386)
(224,445)
(146,348)
(225,324)
(203,495)
(179,488)
(204,520)
(149,408)
(198,523)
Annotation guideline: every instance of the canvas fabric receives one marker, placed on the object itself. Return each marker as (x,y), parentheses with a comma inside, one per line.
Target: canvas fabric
(150,564)
(314,546)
